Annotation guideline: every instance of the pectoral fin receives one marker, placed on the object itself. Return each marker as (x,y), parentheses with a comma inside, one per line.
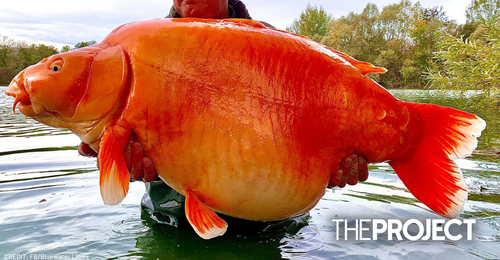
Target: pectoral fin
(204,220)
(114,178)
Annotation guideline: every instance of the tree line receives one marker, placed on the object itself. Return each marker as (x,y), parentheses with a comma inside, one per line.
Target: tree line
(421,47)
(17,55)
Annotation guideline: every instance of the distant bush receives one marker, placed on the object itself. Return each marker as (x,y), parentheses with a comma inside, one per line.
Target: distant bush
(402,37)
(472,63)
(17,55)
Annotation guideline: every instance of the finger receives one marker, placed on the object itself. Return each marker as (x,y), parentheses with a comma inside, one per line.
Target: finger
(343,181)
(85,150)
(136,161)
(127,154)
(363,169)
(148,169)
(82,149)
(335,178)
(345,165)
(353,172)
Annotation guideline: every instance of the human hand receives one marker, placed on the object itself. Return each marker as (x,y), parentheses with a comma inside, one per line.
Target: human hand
(139,166)
(85,150)
(352,169)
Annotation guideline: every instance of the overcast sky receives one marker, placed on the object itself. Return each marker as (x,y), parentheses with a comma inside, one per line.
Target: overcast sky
(61,22)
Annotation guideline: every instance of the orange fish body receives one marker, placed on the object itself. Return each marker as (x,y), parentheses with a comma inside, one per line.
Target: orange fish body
(255,130)
(243,120)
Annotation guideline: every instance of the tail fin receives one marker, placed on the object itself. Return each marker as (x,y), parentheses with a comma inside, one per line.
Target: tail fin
(429,173)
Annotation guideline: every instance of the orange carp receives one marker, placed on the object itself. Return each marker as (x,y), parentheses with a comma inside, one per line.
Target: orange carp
(242,119)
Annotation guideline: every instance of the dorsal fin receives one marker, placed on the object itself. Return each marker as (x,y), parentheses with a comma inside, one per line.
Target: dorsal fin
(363,67)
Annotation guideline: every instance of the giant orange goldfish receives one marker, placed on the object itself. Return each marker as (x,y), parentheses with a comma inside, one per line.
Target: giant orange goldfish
(243,120)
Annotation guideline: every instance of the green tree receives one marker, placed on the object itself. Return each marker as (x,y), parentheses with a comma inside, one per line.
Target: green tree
(425,32)
(402,37)
(84,44)
(17,55)
(10,63)
(382,38)
(312,21)
(482,10)
(65,48)
(34,53)
(6,48)
(397,22)
(359,35)
(471,64)
(466,30)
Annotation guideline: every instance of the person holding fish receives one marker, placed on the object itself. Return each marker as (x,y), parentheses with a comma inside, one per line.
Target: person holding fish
(353,168)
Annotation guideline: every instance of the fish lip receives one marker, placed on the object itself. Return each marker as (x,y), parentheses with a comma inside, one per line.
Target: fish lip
(12,89)
(22,98)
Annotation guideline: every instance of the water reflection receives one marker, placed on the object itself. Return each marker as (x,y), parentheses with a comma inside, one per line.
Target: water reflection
(50,204)
(181,243)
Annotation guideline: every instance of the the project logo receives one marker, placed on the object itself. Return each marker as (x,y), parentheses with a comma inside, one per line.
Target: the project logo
(412,229)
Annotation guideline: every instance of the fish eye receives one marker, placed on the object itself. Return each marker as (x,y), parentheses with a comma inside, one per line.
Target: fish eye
(56,65)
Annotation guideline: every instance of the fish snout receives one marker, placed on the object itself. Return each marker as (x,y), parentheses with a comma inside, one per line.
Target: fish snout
(17,90)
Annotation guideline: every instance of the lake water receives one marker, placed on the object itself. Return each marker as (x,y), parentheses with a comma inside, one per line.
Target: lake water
(50,205)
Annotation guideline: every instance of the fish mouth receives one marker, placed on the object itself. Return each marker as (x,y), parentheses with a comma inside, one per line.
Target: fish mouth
(30,107)
(18,91)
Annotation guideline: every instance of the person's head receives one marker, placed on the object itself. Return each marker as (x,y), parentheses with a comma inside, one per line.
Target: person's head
(216,9)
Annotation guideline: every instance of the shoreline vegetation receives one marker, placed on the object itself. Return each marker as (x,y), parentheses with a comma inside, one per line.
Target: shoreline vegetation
(420,47)
(17,55)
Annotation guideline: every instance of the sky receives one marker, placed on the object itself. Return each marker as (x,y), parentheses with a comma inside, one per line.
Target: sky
(67,22)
